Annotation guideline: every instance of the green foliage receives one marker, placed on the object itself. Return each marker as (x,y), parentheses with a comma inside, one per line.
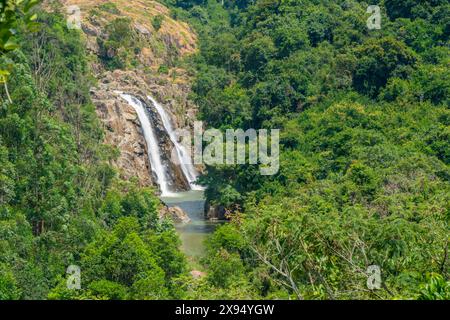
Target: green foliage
(164,69)
(224,269)
(364,175)
(8,285)
(379,60)
(185,3)
(228,106)
(412,8)
(12,14)
(108,290)
(436,289)
(123,257)
(115,51)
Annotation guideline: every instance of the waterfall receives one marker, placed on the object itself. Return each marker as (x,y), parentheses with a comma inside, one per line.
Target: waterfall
(154,152)
(184,157)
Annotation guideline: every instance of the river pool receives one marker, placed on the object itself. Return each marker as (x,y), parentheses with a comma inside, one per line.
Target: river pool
(194,233)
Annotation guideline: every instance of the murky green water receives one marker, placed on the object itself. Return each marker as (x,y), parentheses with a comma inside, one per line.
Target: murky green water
(194,233)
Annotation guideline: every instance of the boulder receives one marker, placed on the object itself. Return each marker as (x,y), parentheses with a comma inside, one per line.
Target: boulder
(120,121)
(215,212)
(176,214)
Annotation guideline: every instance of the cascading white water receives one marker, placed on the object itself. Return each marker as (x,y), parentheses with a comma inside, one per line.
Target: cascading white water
(193,234)
(152,143)
(183,155)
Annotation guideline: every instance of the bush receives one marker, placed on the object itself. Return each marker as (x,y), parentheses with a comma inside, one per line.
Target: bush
(157,22)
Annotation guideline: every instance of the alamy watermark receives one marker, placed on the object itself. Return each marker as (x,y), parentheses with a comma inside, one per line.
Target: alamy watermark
(374,277)
(214,147)
(374,21)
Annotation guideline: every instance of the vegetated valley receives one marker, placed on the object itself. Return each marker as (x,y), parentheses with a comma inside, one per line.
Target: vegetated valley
(87,116)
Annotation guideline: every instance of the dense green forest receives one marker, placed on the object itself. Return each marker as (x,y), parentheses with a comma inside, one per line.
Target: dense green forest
(364,173)
(364,169)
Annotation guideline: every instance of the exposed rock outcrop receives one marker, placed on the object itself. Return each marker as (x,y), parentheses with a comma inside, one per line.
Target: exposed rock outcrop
(123,130)
(176,214)
(109,103)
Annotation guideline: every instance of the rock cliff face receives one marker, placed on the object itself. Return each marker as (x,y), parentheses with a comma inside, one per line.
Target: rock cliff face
(171,88)
(123,130)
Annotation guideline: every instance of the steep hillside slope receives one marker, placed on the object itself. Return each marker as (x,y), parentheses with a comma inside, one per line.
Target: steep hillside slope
(134,48)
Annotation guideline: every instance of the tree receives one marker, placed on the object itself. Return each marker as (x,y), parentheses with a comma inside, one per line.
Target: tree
(257,51)
(379,60)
